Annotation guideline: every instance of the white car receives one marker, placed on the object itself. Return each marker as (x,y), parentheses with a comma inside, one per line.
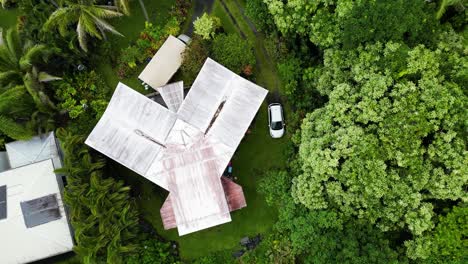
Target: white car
(276,120)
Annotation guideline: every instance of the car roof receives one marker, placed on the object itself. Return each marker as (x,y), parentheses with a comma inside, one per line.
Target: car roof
(275,112)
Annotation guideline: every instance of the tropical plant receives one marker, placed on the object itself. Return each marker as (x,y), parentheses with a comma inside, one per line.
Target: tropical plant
(18,62)
(88,18)
(102,214)
(206,26)
(123,6)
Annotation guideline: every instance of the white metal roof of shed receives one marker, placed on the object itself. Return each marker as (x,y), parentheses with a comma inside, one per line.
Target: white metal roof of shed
(18,243)
(164,64)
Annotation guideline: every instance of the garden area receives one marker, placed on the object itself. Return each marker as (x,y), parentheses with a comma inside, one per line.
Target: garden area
(372,166)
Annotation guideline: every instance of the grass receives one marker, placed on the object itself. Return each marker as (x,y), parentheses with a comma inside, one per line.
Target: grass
(8,17)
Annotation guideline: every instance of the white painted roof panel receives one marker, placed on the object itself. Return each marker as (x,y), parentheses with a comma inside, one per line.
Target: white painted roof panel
(164,64)
(19,244)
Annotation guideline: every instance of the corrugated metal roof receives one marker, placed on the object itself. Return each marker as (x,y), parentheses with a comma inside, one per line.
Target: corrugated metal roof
(132,129)
(185,153)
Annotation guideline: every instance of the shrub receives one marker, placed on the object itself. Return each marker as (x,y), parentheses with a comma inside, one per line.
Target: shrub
(193,58)
(234,53)
(83,92)
(147,44)
(206,26)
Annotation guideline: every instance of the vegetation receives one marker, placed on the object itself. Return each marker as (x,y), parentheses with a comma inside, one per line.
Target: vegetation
(372,169)
(88,18)
(234,53)
(206,26)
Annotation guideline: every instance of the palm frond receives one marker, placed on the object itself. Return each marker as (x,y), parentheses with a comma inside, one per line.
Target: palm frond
(123,6)
(11,98)
(14,130)
(105,11)
(9,77)
(103,25)
(89,25)
(81,32)
(60,18)
(12,41)
(45,77)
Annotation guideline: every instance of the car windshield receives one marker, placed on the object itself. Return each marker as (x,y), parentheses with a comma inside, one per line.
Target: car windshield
(276,125)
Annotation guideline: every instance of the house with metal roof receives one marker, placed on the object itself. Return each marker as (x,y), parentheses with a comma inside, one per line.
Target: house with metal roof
(33,221)
(185,147)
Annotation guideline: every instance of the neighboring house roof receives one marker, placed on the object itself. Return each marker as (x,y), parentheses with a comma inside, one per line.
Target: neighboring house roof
(164,64)
(49,233)
(184,152)
(4,164)
(39,148)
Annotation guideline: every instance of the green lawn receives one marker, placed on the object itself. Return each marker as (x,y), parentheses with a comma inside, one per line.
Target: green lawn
(8,17)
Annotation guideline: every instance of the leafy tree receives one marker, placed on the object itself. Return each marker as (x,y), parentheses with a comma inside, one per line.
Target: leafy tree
(206,26)
(319,236)
(88,18)
(233,52)
(329,23)
(257,10)
(391,140)
(102,213)
(447,242)
(18,62)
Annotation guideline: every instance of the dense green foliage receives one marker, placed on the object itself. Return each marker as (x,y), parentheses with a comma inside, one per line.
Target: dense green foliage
(193,58)
(153,251)
(327,23)
(101,211)
(234,53)
(380,174)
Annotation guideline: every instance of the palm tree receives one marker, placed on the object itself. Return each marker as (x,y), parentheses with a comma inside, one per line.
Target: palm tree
(88,18)
(17,68)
